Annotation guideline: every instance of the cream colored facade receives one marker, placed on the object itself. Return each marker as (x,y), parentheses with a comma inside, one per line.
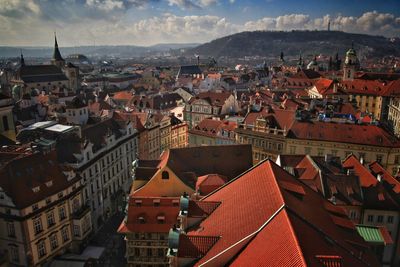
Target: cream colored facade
(50,227)
(269,143)
(394,115)
(147,249)
(369,103)
(7,127)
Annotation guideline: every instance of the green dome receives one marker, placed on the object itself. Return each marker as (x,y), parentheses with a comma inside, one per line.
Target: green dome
(351,52)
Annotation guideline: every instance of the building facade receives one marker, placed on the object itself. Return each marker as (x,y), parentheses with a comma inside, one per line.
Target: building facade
(42,211)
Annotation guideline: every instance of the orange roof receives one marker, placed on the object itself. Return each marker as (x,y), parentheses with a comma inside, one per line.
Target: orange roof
(144,214)
(366,87)
(377,169)
(366,178)
(276,209)
(123,95)
(344,133)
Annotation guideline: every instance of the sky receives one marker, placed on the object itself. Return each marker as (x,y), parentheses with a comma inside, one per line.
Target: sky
(148,22)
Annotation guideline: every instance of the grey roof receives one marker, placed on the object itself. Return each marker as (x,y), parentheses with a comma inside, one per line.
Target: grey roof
(189,70)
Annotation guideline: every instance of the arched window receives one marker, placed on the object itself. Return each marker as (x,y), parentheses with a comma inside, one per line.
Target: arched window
(165,175)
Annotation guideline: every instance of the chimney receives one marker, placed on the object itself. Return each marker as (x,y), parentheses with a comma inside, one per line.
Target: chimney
(328,158)
(350,171)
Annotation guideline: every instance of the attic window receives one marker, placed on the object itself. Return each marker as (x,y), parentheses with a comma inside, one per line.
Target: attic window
(36,189)
(138,202)
(161,219)
(175,202)
(141,220)
(156,202)
(165,175)
(49,183)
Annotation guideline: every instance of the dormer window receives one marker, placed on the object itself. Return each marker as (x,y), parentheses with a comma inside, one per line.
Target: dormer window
(141,220)
(161,219)
(138,202)
(165,175)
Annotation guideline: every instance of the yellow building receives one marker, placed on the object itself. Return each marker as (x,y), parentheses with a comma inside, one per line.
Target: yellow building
(7,127)
(42,213)
(153,204)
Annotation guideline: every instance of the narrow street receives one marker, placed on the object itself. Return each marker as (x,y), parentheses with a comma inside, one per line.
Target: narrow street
(108,237)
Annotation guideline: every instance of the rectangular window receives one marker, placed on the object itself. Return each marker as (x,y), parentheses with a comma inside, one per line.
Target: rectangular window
(390,219)
(41,249)
(14,254)
(379,158)
(53,241)
(61,213)
(37,225)
(370,218)
(77,230)
(380,218)
(50,219)
(10,229)
(64,234)
(397,159)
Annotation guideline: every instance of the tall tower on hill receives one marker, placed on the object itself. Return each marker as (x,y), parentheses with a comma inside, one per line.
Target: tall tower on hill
(351,64)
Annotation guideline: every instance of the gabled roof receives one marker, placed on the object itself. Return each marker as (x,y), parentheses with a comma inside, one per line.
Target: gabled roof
(282,222)
(42,171)
(214,128)
(226,160)
(366,177)
(377,169)
(214,98)
(343,133)
(189,70)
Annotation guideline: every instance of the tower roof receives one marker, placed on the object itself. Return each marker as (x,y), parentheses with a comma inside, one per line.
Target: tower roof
(56,54)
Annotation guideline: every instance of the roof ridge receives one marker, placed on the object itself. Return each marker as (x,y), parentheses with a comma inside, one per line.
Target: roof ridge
(234,179)
(323,233)
(248,236)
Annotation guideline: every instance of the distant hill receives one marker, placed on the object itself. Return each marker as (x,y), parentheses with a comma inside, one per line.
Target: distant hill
(93,51)
(271,43)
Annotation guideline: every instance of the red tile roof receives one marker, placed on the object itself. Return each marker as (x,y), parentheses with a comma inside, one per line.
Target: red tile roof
(284,215)
(366,178)
(343,133)
(195,246)
(377,169)
(123,95)
(150,208)
(207,183)
(214,128)
(21,174)
(214,98)
(365,87)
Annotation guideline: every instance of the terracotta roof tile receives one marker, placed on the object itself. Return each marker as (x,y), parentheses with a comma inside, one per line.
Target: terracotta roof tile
(278,210)
(195,246)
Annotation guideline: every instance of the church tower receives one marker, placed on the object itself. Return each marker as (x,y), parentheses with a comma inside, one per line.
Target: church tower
(351,64)
(57,59)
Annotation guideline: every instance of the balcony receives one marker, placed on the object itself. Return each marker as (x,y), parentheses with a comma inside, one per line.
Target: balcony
(80,213)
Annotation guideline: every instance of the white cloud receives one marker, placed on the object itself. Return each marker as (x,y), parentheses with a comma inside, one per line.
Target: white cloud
(13,6)
(107,22)
(105,5)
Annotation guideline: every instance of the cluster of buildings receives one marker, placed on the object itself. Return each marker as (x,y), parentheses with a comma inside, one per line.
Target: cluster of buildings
(209,164)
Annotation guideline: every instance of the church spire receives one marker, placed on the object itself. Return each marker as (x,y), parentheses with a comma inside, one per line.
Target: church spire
(56,54)
(22,60)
